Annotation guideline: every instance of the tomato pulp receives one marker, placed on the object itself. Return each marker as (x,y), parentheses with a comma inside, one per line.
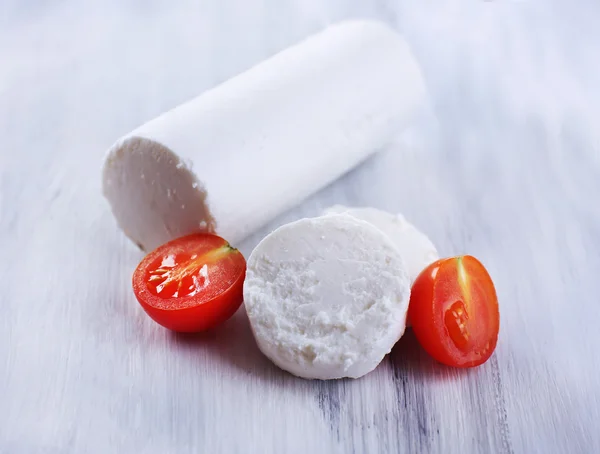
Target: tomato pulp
(454,311)
(192,283)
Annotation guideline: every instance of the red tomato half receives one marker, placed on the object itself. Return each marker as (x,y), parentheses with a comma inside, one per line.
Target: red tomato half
(192,283)
(454,311)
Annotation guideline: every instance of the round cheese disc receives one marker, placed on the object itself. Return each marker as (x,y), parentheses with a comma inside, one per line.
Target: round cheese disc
(327,297)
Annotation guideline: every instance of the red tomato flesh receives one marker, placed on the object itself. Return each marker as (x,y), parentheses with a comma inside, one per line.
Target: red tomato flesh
(192,283)
(454,311)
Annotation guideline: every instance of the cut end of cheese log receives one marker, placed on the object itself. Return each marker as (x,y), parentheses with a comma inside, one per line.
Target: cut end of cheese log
(154,195)
(326,297)
(266,139)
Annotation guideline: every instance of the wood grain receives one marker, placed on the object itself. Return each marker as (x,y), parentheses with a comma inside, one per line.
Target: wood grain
(506,167)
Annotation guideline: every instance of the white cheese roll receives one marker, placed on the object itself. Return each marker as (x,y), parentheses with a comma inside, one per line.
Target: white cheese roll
(235,157)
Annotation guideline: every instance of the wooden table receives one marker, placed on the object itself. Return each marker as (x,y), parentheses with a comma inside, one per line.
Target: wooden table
(510,173)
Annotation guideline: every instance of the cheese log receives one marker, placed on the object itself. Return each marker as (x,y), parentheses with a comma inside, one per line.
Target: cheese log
(326,297)
(235,157)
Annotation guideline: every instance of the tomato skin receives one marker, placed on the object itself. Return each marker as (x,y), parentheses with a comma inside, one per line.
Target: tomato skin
(202,317)
(454,311)
(188,314)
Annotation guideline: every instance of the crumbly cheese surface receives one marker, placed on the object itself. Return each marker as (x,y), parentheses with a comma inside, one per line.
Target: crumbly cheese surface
(416,248)
(327,297)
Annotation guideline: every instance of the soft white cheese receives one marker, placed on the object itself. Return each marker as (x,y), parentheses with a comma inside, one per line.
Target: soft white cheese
(416,248)
(240,154)
(326,297)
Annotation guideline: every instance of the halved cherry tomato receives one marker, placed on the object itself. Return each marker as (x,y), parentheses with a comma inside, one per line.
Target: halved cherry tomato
(192,283)
(454,311)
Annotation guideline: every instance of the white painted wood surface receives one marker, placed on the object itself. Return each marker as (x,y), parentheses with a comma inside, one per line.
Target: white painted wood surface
(510,173)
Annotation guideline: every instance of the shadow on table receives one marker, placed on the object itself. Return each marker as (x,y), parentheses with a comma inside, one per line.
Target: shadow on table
(408,359)
(233,344)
